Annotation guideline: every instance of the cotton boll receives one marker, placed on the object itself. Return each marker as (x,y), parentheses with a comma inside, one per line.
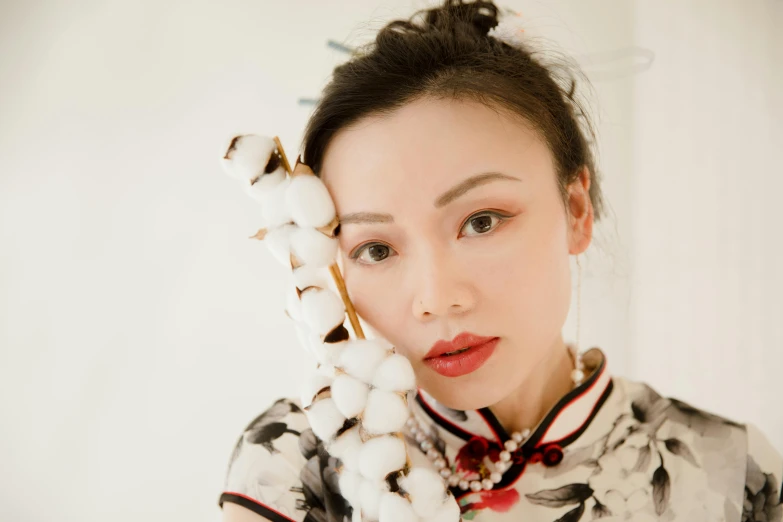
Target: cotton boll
(350,458)
(350,395)
(313,247)
(261,189)
(322,310)
(246,156)
(386,412)
(395,374)
(426,489)
(380,456)
(310,203)
(345,446)
(313,384)
(304,337)
(293,306)
(278,241)
(333,352)
(361,358)
(311,343)
(350,482)
(370,492)
(325,419)
(273,206)
(306,275)
(449,511)
(394,508)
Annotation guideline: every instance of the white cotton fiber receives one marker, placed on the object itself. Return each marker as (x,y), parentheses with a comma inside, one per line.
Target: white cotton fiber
(346,447)
(278,241)
(333,351)
(273,207)
(293,306)
(312,344)
(395,374)
(449,511)
(350,395)
(322,310)
(362,357)
(426,489)
(370,497)
(245,157)
(349,483)
(395,508)
(265,184)
(380,456)
(303,334)
(325,419)
(305,276)
(314,383)
(313,247)
(386,412)
(309,201)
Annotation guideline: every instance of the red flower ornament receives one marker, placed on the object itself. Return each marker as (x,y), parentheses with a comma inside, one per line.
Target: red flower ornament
(471,455)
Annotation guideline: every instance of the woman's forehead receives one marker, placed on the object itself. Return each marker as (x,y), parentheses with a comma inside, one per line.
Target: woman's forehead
(427,146)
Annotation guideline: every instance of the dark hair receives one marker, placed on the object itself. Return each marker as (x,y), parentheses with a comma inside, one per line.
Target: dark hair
(445,52)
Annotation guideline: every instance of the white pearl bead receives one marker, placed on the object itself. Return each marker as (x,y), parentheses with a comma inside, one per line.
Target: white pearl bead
(495,477)
(505,456)
(511,445)
(414,430)
(445,473)
(464,485)
(439,464)
(518,437)
(426,446)
(475,485)
(433,454)
(454,480)
(420,437)
(488,484)
(526,433)
(577,376)
(501,466)
(411,422)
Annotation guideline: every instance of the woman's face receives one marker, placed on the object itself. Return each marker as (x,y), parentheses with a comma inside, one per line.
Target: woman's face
(427,254)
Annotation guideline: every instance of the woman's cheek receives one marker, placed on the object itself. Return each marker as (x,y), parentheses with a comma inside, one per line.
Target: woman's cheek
(372,304)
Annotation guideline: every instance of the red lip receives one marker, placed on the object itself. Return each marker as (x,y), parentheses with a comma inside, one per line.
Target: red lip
(479,350)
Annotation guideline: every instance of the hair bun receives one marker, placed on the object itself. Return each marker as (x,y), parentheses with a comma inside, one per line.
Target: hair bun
(480,15)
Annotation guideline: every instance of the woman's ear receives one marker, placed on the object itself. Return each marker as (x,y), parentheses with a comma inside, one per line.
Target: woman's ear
(580,219)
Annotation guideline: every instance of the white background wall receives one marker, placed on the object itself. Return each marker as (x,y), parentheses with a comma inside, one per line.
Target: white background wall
(140,329)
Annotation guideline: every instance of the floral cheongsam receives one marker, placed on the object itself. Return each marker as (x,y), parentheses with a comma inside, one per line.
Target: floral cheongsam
(610,449)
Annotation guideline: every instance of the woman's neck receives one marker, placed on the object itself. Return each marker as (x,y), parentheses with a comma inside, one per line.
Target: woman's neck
(526,406)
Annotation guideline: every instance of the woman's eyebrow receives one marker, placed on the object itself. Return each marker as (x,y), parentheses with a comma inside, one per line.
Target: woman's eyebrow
(458,190)
(472,182)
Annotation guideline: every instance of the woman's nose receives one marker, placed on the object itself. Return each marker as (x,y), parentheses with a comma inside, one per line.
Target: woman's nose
(441,287)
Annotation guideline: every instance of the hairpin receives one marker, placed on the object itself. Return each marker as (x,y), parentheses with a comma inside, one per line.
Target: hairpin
(356,397)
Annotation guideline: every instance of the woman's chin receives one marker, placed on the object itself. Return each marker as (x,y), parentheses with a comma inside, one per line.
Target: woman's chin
(465,393)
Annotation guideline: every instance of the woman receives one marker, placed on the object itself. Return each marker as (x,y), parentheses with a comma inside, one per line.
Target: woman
(463,180)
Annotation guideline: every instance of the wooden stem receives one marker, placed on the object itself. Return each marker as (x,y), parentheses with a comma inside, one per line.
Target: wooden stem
(350,310)
(333,268)
(283,157)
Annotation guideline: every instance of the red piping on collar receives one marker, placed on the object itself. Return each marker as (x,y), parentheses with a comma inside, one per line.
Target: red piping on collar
(597,378)
(432,410)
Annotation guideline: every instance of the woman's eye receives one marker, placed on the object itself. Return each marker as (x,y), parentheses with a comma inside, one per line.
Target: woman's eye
(376,253)
(481,223)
